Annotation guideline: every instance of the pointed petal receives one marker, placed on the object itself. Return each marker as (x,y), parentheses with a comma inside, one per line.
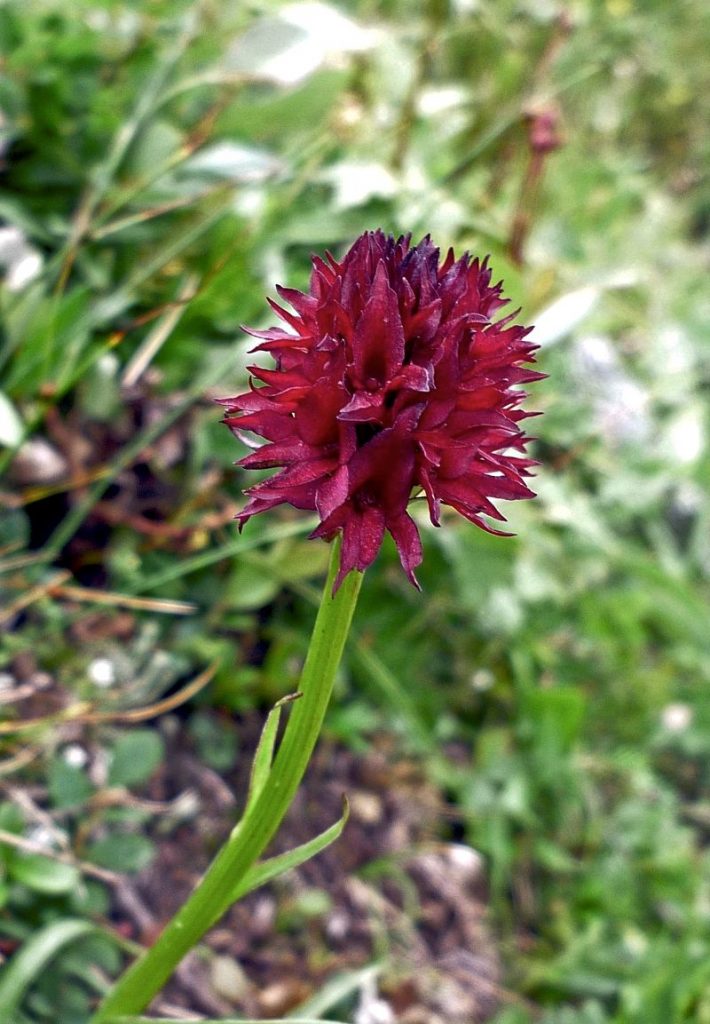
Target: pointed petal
(409,544)
(317,413)
(332,493)
(378,341)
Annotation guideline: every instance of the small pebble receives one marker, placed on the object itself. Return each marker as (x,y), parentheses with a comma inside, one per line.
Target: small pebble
(229,979)
(282,996)
(366,807)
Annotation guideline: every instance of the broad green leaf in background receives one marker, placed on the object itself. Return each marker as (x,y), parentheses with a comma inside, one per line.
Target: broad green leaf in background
(69,784)
(122,851)
(42,874)
(135,757)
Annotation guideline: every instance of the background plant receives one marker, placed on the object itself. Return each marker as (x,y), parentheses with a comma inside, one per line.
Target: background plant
(163,166)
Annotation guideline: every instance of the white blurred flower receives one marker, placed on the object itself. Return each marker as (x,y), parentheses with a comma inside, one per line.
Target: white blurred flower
(357,181)
(441,99)
(40,835)
(685,437)
(676,717)
(674,348)
(482,679)
(102,672)
(75,755)
(20,260)
(635,942)
(108,364)
(250,201)
(688,498)
(595,354)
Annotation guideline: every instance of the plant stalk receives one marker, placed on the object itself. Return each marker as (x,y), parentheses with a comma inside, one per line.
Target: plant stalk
(146,976)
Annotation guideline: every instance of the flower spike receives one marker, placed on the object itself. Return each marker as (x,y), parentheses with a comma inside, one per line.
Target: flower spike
(391,377)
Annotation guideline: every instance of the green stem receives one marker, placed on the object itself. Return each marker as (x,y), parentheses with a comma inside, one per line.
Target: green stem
(146,977)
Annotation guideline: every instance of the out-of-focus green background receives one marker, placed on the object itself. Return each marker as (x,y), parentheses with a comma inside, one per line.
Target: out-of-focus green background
(162,166)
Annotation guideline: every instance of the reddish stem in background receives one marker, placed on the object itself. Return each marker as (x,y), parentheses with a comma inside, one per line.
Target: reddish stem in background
(543,138)
(543,121)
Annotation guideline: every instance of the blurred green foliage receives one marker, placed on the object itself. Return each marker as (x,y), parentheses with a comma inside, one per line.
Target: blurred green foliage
(163,165)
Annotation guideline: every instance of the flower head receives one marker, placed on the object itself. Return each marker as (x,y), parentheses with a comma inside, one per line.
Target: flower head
(391,377)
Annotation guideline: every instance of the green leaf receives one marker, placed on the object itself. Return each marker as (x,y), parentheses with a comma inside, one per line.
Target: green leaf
(68,784)
(238,546)
(122,852)
(261,874)
(135,757)
(283,114)
(30,961)
(251,588)
(42,874)
(215,739)
(265,872)
(554,716)
(153,148)
(261,766)
(11,819)
(91,899)
(14,529)
(53,329)
(341,987)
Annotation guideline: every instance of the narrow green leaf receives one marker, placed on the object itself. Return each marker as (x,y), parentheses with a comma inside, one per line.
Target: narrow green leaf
(265,872)
(338,988)
(182,238)
(261,766)
(30,961)
(238,546)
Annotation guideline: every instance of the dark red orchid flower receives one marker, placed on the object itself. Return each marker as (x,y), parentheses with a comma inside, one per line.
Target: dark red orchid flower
(391,377)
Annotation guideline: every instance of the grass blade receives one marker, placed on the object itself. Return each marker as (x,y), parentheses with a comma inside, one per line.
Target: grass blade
(238,546)
(32,958)
(341,987)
